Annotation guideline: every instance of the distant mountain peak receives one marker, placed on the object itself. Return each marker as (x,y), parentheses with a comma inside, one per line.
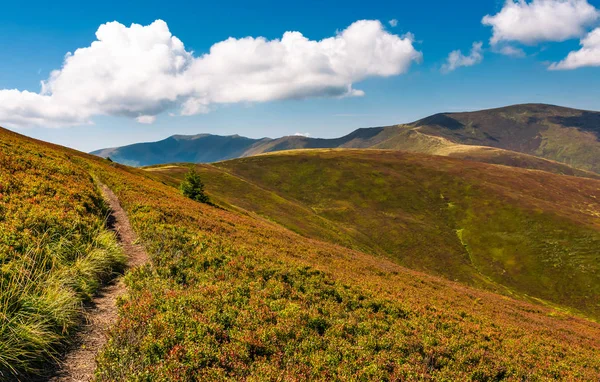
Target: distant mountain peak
(182,137)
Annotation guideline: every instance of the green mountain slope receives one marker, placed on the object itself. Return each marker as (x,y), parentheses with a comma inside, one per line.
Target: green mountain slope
(568,139)
(519,231)
(566,135)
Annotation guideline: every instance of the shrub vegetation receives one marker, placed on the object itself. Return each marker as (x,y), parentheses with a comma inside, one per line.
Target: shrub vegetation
(525,233)
(232,297)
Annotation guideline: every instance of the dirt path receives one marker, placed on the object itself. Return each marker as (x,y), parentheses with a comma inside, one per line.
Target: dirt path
(79,364)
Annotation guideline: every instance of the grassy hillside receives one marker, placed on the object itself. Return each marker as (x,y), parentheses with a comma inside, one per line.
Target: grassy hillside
(426,140)
(230,296)
(534,233)
(54,250)
(566,135)
(407,138)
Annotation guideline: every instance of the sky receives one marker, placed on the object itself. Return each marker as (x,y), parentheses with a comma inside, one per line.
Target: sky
(91,75)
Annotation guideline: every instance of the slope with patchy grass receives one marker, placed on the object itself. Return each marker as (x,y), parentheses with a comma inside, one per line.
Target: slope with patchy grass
(409,138)
(535,233)
(566,135)
(54,250)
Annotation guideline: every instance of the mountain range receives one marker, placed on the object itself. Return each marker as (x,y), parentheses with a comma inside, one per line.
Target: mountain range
(511,135)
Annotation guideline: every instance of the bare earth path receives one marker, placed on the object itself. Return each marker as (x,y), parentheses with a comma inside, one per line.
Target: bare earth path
(79,364)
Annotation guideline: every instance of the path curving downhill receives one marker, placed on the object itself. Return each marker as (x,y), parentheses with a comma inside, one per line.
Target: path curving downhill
(79,364)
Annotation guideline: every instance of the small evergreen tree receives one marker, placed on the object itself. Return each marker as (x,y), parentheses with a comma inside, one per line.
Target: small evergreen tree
(193,188)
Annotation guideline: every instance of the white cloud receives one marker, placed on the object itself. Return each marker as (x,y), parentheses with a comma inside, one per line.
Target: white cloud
(142,71)
(146,119)
(393,23)
(302,135)
(588,55)
(541,20)
(456,59)
(509,50)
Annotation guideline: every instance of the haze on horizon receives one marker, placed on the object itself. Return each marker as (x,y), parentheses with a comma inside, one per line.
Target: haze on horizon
(130,73)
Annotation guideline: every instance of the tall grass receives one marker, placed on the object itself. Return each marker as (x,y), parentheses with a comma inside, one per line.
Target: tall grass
(41,297)
(55,251)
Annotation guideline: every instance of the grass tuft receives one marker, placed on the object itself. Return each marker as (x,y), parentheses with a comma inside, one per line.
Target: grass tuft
(41,302)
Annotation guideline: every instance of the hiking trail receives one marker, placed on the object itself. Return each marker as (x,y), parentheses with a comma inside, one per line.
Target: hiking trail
(79,363)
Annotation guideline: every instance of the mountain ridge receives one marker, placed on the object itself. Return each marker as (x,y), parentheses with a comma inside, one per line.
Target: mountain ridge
(569,138)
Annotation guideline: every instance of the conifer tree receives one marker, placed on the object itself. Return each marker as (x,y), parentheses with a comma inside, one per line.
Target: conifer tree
(193,188)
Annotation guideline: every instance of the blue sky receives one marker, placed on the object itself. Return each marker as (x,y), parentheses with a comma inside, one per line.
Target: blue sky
(35,38)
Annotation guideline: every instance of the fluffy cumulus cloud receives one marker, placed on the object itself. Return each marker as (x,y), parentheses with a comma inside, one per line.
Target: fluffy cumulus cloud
(540,20)
(588,55)
(142,71)
(456,59)
(393,23)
